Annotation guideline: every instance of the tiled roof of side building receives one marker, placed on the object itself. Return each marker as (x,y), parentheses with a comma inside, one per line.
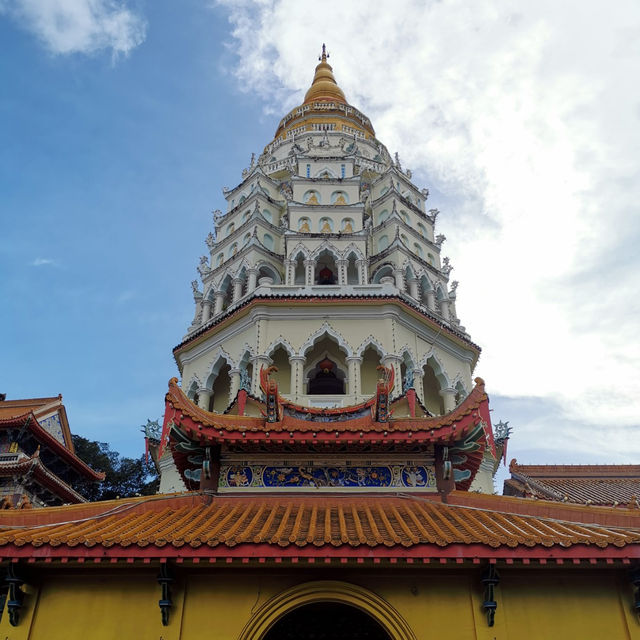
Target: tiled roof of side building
(591,484)
(204,524)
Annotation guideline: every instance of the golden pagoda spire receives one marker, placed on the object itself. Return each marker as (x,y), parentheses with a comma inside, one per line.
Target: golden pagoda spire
(324,85)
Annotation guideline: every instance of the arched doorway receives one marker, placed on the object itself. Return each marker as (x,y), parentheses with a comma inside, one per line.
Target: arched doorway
(326,621)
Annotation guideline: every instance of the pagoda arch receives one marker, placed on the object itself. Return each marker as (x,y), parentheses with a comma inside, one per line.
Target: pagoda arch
(267,270)
(434,380)
(329,591)
(327,329)
(219,381)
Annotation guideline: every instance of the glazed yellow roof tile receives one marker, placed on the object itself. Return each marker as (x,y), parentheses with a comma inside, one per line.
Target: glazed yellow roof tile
(302,521)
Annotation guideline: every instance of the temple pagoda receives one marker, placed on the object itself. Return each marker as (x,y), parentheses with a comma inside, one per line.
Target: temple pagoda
(330,451)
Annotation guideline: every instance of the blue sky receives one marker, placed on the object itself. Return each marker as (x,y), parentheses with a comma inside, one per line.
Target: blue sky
(120,123)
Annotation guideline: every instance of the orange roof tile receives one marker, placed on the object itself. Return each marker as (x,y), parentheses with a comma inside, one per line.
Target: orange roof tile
(201,520)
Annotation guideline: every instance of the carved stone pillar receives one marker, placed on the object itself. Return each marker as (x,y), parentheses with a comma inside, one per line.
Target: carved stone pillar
(342,271)
(206,310)
(234,385)
(237,289)
(355,385)
(449,398)
(417,384)
(362,271)
(219,302)
(394,361)
(297,377)
(399,276)
(289,272)
(252,279)
(204,396)
(413,288)
(309,268)
(258,363)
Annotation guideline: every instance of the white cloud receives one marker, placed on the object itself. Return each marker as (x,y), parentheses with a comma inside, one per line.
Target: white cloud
(522,119)
(44,262)
(79,26)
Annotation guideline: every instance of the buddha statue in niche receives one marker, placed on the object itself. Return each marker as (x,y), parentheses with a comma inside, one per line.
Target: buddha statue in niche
(340,199)
(346,226)
(312,199)
(303,225)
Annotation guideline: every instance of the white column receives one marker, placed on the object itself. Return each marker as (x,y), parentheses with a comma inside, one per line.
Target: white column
(237,289)
(355,373)
(362,270)
(413,288)
(297,373)
(204,395)
(309,266)
(289,272)
(206,310)
(444,309)
(449,397)
(258,363)
(392,360)
(252,279)
(399,278)
(234,375)
(417,384)
(431,300)
(219,302)
(342,271)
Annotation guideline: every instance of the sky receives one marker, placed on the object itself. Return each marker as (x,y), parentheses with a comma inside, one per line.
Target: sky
(121,121)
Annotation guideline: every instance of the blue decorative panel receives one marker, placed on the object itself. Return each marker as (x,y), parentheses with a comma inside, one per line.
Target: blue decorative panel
(338,477)
(53,425)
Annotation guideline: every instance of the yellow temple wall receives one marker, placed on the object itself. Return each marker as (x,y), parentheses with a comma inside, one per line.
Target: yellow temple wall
(533,604)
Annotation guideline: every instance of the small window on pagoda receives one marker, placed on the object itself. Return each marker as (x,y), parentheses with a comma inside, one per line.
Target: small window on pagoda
(245,240)
(383,243)
(384,214)
(430,258)
(405,217)
(404,240)
(421,229)
(266,214)
(231,228)
(233,249)
(324,380)
(418,250)
(219,259)
(246,215)
(267,241)
(242,199)
(326,276)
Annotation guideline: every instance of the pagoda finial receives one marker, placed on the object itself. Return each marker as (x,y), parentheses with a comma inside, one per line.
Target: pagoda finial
(323,57)
(324,87)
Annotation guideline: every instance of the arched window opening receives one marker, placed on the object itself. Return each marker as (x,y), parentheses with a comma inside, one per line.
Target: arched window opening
(267,215)
(220,384)
(383,243)
(245,240)
(267,271)
(219,259)
(322,620)
(404,240)
(353,275)
(267,241)
(417,249)
(192,392)
(431,387)
(326,373)
(231,228)
(227,288)
(326,270)
(425,290)
(461,393)
(430,259)
(280,359)
(382,272)
(422,229)
(246,215)
(384,214)
(233,249)
(405,217)
(369,373)
(242,199)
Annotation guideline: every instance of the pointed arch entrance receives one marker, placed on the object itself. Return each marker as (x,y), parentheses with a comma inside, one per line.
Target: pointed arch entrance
(382,621)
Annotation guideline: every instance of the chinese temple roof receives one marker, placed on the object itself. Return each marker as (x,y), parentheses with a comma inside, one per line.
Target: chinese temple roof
(590,484)
(29,421)
(201,525)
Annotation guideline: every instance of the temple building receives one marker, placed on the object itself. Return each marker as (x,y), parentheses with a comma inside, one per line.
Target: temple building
(38,465)
(327,455)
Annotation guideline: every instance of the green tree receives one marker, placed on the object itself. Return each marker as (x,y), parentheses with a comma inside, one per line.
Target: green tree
(124,477)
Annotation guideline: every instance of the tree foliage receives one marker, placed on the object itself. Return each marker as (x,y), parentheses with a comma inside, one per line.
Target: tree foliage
(125,477)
